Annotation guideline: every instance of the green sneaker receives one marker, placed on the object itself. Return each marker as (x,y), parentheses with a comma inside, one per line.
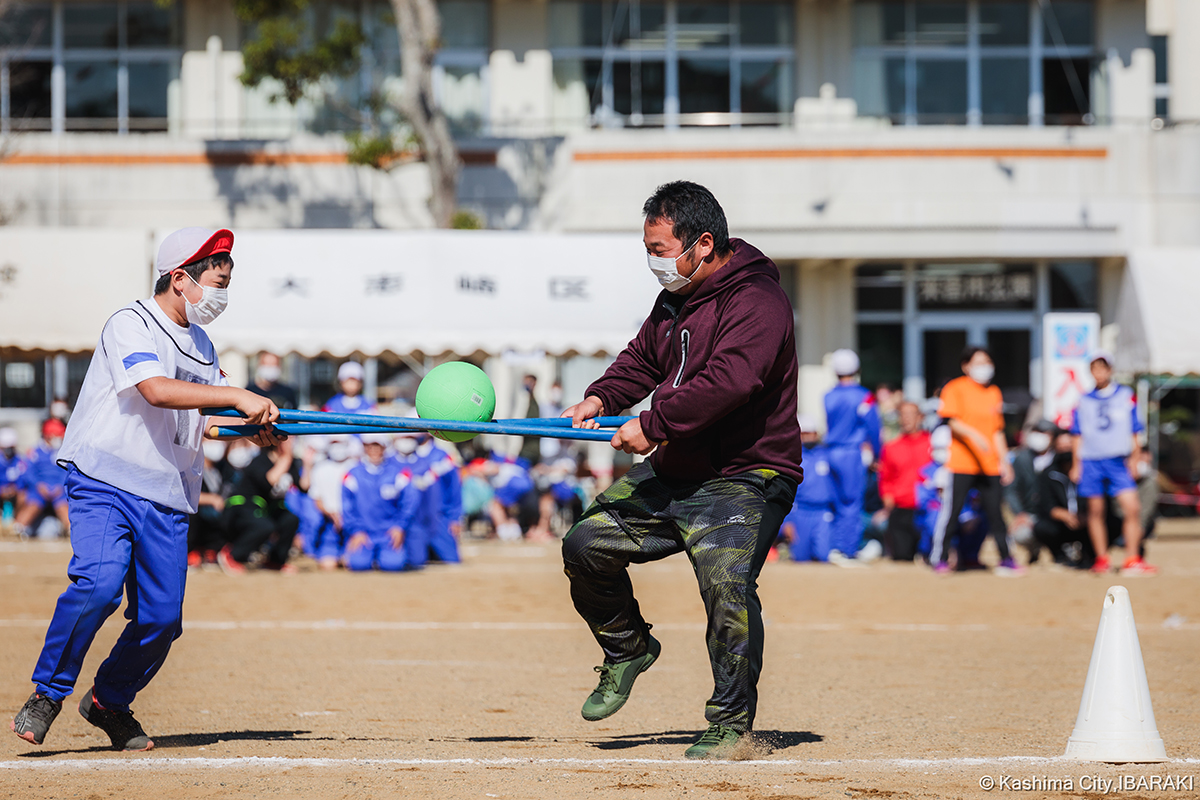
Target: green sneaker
(716,742)
(616,681)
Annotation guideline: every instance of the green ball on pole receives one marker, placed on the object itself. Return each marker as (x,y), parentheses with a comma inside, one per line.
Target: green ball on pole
(459,392)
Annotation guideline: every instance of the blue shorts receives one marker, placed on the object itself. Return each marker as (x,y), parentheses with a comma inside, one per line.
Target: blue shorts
(1105,477)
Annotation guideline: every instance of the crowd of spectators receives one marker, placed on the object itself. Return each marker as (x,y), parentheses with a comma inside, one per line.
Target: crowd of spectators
(889,478)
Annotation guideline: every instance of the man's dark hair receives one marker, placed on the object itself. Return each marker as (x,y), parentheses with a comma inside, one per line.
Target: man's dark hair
(970,351)
(692,210)
(195,269)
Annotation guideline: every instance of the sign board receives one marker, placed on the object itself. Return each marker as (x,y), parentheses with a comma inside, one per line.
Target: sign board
(1068,341)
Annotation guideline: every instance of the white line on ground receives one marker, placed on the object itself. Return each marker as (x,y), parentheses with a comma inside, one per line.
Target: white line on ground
(418,625)
(279,762)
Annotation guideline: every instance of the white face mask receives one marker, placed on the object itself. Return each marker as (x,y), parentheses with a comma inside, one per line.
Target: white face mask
(242,456)
(406,445)
(1037,441)
(212,303)
(425,448)
(666,271)
(941,454)
(338,451)
(269,373)
(982,373)
(214,451)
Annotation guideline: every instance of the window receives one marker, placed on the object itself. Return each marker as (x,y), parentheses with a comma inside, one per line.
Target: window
(674,63)
(993,62)
(880,288)
(117,61)
(23,381)
(1073,286)
(459,73)
(1162,86)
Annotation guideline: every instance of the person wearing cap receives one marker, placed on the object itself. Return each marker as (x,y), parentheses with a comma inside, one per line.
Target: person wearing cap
(266,382)
(350,400)
(809,524)
(852,441)
(1106,453)
(44,489)
(132,455)
(12,472)
(378,505)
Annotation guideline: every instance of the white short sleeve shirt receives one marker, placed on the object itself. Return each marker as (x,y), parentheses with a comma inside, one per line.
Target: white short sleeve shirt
(115,436)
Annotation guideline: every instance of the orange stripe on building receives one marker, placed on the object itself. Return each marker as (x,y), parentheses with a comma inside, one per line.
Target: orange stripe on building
(842,152)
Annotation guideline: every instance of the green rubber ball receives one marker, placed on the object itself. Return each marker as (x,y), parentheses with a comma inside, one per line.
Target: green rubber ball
(458,392)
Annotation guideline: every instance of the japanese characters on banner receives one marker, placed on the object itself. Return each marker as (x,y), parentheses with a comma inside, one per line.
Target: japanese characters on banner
(1068,341)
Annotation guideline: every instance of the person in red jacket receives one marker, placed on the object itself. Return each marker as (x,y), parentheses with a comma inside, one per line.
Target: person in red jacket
(900,467)
(718,351)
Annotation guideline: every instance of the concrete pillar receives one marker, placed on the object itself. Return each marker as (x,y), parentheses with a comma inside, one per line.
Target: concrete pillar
(826,305)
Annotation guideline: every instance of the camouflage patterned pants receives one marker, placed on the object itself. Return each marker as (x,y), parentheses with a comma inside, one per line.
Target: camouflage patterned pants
(725,525)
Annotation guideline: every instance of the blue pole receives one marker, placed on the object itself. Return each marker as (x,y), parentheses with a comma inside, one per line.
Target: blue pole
(414,423)
(308,429)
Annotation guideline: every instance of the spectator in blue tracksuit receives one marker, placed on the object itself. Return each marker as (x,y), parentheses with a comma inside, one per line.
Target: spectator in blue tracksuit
(513,486)
(45,481)
(851,421)
(350,400)
(808,526)
(378,504)
(12,472)
(439,509)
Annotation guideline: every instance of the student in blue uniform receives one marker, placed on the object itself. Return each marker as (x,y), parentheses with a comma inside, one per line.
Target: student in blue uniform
(441,494)
(378,504)
(851,421)
(133,465)
(1107,450)
(44,489)
(350,400)
(12,472)
(808,526)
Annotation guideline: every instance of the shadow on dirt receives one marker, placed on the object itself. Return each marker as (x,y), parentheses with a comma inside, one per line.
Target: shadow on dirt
(169,741)
(764,741)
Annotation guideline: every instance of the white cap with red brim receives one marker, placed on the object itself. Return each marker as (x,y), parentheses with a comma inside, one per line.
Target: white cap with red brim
(188,245)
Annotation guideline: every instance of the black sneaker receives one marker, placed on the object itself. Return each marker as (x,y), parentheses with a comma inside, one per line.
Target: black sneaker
(35,718)
(121,727)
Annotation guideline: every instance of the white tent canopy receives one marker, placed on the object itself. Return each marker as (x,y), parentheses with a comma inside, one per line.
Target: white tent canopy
(1157,314)
(58,298)
(347,291)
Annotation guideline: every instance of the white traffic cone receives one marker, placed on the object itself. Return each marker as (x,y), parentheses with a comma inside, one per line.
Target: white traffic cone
(1116,722)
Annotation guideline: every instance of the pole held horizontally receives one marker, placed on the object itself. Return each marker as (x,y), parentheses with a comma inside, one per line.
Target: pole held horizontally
(310,429)
(416,423)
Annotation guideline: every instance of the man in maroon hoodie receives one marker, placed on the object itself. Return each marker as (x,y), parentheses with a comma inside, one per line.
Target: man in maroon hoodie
(719,353)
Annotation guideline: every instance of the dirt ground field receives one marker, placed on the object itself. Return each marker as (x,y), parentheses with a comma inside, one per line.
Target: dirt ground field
(465,682)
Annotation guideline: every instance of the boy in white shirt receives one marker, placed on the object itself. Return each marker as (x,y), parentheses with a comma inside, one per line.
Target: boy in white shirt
(134,464)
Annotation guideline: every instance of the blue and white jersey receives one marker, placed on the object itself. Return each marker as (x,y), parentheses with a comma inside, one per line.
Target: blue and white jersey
(817,487)
(344,404)
(851,417)
(1106,420)
(376,499)
(12,471)
(41,467)
(115,435)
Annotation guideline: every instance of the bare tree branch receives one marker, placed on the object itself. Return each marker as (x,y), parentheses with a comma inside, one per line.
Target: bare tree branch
(419,27)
